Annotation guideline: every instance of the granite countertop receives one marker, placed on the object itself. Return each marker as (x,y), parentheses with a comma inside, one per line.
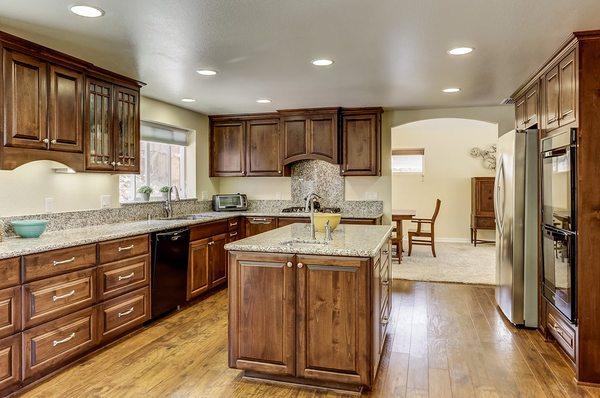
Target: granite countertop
(14,246)
(348,240)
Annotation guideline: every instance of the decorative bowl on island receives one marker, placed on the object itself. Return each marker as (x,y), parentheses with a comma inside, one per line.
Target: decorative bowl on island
(322,218)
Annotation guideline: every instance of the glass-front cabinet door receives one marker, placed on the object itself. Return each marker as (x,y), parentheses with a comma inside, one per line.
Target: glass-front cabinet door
(127,130)
(99,122)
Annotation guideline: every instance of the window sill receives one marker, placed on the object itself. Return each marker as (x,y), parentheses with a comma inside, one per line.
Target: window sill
(156,200)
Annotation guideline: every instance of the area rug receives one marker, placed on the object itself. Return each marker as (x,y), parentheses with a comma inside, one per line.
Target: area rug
(455,262)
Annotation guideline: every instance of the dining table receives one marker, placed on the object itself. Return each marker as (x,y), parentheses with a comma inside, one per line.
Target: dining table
(398,216)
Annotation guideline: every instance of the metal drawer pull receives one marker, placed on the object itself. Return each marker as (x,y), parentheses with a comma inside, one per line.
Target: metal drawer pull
(260,221)
(211,243)
(386,252)
(129,311)
(126,276)
(385,283)
(72,292)
(125,248)
(233,234)
(57,342)
(385,321)
(55,263)
(233,224)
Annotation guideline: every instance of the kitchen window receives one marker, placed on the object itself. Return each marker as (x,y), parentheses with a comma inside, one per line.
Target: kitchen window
(162,163)
(408,161)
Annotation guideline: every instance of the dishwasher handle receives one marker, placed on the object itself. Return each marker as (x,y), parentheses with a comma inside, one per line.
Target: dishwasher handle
(173,235)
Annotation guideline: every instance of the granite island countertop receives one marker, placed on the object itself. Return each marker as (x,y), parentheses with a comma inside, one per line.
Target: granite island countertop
(15,246)
(348,241)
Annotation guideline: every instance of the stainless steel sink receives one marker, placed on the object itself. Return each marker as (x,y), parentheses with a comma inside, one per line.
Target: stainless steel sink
(299,241)
(188,217)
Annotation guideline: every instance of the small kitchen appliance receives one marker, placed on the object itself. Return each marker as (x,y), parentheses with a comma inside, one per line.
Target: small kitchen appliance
(230,202)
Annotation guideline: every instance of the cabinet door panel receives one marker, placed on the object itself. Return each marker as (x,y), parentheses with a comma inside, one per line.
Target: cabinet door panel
(10,361)
(551,98)
(258,225)
(568,89)
(531,107)
(66,109)
(198,268)
(227,149)
(127,130)
(294,138)
(322,137)
(218,260)
(361,140)
(520,113)
(10,311)
(26,102)
(99,125)
(261,316)
(264,148)
(333,319)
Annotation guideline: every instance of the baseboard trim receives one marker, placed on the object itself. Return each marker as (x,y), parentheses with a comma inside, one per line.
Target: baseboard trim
(443,240)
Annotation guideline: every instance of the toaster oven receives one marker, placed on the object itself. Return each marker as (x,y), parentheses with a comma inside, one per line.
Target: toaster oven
(230,202)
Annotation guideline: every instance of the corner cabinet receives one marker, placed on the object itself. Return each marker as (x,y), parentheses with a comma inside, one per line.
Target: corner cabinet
(59,108)
(361,142)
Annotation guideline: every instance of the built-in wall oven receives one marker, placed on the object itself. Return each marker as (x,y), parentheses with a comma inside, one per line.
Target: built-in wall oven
(559,227)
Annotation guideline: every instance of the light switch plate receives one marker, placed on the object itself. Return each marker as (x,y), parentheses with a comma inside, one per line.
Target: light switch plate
(49,205)
(105,201)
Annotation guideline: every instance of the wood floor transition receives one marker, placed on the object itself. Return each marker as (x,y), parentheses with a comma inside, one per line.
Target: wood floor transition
(447,340)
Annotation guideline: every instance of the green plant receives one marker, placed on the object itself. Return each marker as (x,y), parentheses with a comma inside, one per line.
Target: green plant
(145,190)
(165,189)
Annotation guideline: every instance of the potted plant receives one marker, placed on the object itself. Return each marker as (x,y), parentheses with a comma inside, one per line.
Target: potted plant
(145,191)
(165,192)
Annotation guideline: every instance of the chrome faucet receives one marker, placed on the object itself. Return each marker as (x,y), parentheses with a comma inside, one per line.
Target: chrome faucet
(167,207)
(310,205)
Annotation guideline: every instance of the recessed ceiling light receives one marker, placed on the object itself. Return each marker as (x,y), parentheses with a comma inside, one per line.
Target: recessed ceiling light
(263,101)
(188,100)
(206,72)
(460,50)
(87,11)
(322,62)
(451,90)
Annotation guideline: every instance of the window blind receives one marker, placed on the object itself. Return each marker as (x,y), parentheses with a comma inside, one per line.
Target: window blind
(156,132)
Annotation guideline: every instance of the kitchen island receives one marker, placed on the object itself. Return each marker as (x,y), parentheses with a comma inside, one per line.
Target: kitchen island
(310,313)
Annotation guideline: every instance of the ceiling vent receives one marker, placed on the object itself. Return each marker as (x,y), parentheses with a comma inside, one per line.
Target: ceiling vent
(507,101)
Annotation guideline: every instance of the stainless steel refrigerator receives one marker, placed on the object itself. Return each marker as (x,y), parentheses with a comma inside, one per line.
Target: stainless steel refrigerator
(516,211)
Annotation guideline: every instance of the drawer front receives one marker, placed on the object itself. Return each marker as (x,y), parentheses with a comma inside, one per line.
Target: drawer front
(49,345)
(233,224)
(283,221)
(54,297)
(123,276)
(58,262)
(121,249)
(385,252)
(10,272)
(562,332)
(10,311)
(385,319)
(124,313)
(359,221)
(204,231)
(385,285)
(10,361)
(485,222)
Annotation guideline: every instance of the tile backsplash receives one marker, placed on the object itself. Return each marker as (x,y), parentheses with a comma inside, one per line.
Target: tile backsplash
(320,177)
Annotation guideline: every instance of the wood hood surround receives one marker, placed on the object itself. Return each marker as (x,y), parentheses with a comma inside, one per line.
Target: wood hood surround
(58,107)
(267,144)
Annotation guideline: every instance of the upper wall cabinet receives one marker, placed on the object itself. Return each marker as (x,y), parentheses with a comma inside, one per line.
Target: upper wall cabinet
(59,108)
(227,143)
(263,149)
(527,108)
(361,142)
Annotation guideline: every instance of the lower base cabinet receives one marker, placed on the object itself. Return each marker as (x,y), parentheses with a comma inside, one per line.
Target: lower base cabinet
(124,313)
(306,317)
(10,362)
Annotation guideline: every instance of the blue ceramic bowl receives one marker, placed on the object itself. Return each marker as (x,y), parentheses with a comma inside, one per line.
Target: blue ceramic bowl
(29,228)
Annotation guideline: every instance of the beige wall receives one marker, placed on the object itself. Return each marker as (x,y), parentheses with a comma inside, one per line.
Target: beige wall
(23,190)
(447,171)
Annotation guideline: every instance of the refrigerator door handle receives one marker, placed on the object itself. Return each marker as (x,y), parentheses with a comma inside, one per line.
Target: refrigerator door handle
(499,172)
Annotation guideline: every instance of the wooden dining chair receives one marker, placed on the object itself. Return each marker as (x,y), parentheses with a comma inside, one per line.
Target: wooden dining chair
(424,238)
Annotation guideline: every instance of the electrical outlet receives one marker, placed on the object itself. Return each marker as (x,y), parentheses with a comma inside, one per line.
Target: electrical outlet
(49,205)
(371,195)
(105,201)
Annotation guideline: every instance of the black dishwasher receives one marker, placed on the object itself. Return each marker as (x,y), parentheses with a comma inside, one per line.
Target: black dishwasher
(169,270)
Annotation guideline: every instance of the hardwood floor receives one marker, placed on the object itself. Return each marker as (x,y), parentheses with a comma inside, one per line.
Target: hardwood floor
(447,340)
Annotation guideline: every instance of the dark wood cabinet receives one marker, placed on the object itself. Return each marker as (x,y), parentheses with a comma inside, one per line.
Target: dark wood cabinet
(65,109)
(482,206)
(10,362)
(520,110)
(551,98)
(310,134)
(262,313)
(228,143)
(124,313)
(531,106)
(10,311)
(218,260)
(59,108)
(294,138)
(198,268)
(560,93)
(361,142)
(258,225)
(263,149)
(25,101)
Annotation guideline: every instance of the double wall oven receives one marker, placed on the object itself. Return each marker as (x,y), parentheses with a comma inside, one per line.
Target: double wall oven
(559,227)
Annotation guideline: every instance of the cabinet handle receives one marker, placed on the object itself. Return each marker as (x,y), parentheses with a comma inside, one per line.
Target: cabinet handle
(211,243)
(289,264)
(57,342)
(45,140)
(386,252)
(279,171)
(385,321)
(129,311)
(233,234)
(55,298)
(233,224)
(113,163)
(126,276)
(300,265)
(125,248)
(55,263)
(53,141)
(385,283)
(119,164)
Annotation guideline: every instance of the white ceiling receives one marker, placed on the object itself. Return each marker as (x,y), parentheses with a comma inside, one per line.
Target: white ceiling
(387,52)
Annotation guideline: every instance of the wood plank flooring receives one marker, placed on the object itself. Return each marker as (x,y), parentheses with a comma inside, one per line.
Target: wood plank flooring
(446,340)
